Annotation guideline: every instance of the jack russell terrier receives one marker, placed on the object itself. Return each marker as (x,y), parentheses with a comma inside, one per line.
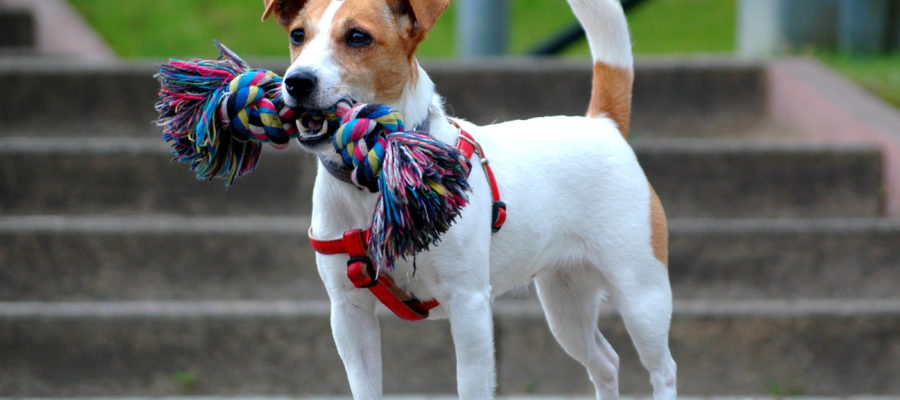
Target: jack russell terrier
(584,223)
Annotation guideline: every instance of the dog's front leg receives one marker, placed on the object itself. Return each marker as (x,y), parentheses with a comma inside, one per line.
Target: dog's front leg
(472,329)
(358,338)
(355,328)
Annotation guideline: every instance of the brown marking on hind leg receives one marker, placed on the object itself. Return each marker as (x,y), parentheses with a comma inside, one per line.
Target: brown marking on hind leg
(659,232)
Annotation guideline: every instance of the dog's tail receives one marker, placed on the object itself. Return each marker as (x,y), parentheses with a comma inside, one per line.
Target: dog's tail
(607,33)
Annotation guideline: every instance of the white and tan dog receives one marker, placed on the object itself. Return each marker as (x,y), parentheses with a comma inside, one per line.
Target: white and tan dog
(584,223)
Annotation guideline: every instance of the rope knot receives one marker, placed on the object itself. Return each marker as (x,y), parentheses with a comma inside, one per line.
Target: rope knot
(362,138)
(253,108)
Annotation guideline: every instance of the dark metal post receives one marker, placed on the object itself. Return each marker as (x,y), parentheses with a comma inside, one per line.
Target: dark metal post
(809,24)
(864,26)
(482,27)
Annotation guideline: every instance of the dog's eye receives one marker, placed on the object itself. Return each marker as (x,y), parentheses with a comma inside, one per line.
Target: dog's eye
(357,38)
(298,36)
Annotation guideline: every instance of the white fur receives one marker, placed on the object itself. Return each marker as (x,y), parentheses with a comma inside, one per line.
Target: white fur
(316,58)
(579,225)
(607,30)
(415,110)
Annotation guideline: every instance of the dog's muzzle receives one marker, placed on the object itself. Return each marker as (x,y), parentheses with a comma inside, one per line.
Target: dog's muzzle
(300,84)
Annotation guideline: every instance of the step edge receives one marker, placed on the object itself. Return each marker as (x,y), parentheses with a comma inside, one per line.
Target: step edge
(165,223)
(114,144)
(520,309)
(427,396)
(299,223)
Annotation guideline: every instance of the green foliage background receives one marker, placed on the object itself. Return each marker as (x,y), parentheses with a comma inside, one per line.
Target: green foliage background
(186,28)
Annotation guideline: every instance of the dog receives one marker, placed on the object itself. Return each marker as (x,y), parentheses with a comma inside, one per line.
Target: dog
(584,222)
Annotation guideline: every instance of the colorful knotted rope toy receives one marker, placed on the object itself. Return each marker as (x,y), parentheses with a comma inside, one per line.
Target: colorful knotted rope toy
(217,113)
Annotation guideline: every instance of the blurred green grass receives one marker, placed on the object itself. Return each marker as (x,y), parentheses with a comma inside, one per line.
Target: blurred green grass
(185,28)
(879,74)
(182,28)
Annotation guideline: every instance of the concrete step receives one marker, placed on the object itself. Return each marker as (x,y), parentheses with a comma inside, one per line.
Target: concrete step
(22,53)
(818,348)
(17,28)
(134,176)
(161,257)
(768,396)
(751,178)
(694,178)
(672,97)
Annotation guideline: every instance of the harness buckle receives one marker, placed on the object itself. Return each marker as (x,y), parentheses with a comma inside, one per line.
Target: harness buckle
(498,215)
(361,272)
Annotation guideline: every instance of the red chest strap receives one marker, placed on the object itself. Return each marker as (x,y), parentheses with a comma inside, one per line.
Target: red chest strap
(363,275)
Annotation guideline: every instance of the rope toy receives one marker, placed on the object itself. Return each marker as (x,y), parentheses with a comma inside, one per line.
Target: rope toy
(216,114)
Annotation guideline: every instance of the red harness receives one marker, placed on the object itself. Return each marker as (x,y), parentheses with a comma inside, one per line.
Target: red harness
(363,274)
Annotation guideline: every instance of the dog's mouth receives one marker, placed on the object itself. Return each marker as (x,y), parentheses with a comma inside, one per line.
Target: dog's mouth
(316,129)
(315,132)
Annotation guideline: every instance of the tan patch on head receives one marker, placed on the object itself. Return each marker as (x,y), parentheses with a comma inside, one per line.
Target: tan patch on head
(385,67)
(611,94)
(659,231)
(307,18)
(284,10)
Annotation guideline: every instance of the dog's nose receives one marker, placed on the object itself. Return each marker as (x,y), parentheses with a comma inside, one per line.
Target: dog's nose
(300,84)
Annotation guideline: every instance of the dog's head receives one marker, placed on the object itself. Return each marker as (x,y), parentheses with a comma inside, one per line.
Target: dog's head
(361,50)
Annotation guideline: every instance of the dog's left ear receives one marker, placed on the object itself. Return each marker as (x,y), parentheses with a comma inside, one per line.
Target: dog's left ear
(422,13)
(269,9)
(284,10)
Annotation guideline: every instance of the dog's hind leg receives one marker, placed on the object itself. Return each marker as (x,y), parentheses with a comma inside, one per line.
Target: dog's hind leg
(571,297)
(640,288)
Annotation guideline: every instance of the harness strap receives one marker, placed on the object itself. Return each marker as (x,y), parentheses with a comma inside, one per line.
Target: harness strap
(467,145)
(363,274)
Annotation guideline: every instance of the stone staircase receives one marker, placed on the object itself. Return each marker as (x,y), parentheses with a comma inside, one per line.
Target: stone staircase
(124,276)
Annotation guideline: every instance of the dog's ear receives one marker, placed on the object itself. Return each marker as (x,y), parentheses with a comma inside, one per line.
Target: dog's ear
(426,12)
(284,10)
(422,13)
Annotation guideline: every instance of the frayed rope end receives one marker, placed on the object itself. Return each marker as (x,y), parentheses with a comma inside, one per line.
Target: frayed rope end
(423,188)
